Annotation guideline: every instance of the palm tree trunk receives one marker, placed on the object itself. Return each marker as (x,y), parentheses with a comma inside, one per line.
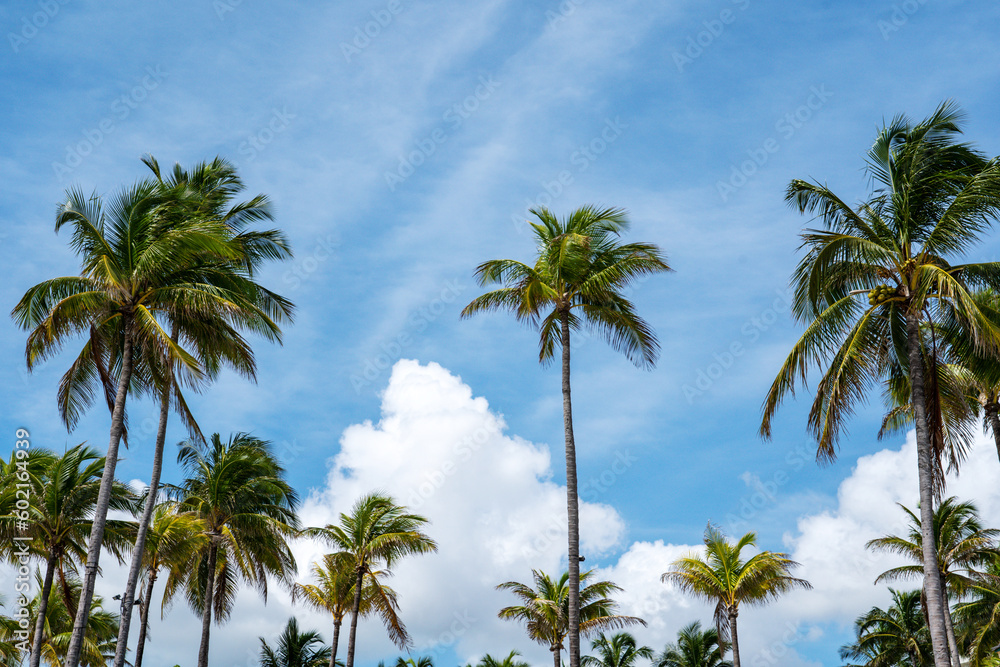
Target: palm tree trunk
(103,501)
(147,515)
(734,637)
(932,575)
(144,619)
(993,419)
(206,617)
(956,656)
(572,501)
(43,604)
(333,646)
(556,650)
(355,608)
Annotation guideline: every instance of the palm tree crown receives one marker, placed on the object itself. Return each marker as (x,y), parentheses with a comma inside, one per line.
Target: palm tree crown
(694,648)
(295,649)
(621,650)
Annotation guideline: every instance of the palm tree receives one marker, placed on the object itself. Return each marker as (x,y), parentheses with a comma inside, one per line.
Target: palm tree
(238,489)
(962,544)
(62,494)
(134,254)
(979,618)
(578,279)
(935,198)
(208,327)
(894,636)
(334,593)
(376,534)
(509,661)
(619,651)
(295,649)
(694,648)
(57,625)
(175,540)
(723,577)
(422,661)
(544,609)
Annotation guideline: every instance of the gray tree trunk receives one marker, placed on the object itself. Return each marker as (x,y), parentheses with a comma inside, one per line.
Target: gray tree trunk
(43,605)
(355,608)
(206,617)
(993,419)
(333,646)
(572,501)
(734,637)
(140,646)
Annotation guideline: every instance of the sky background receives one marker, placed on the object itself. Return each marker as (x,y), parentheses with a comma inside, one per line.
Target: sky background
(402,143)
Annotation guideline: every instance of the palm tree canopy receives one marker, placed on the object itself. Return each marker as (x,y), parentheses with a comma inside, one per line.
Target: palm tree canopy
(694,648)
(620,650)
(509,661)
(295,649)
(894,636)
(582,271)
(979,617)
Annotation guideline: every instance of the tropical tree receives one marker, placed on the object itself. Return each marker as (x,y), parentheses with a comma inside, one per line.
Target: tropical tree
(174,543)
(694,648)
(511,660)
(723,577)
(61,497)
(57,625)
(621,650)
(375,535)
(134,253)
(295,649)
(962,545)
(578,279)
(935,198)
(894,636)
(207,327)
(237,489)
(334,593)
(979,618)
(422,661)
(544,609)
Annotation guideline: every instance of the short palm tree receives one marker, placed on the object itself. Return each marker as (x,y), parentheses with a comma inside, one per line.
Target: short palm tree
(295,649)
(874,277)
(375,535)
(894,636)
(962,545)
(544,609)
(333,592)
(510,660)
(422,661)
(621,650)
(979,617)
(237,489)
(723,577)
(578,279)
(694,648)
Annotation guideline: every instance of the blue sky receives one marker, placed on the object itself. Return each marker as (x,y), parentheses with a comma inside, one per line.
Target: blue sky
(401,143)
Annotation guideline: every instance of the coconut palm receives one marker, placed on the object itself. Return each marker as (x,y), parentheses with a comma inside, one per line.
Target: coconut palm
(135,254)
(936,197)
(375,535)
(723,577)
(237,489)
(578,279)
(295,649)
(694,648)
(208,327)
(63,493)
(621,650)
(509,661)
(979,618)
(544,609)
(422,661)
(962,545)
(894,636)
(336,577)
(175,540)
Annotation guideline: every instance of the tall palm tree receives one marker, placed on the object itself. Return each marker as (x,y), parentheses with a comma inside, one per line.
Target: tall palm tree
(295,649)
(962,544)
(134,252)
(544,609)
(578,279)
(375,535)
(979,618)
(694,648)
(935,198)
(621,650)
(175,540)
(510,660)
(57,625)
(209,327)
(894,636)
(238,489)
(334,593)
(62,496)
(723,577)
